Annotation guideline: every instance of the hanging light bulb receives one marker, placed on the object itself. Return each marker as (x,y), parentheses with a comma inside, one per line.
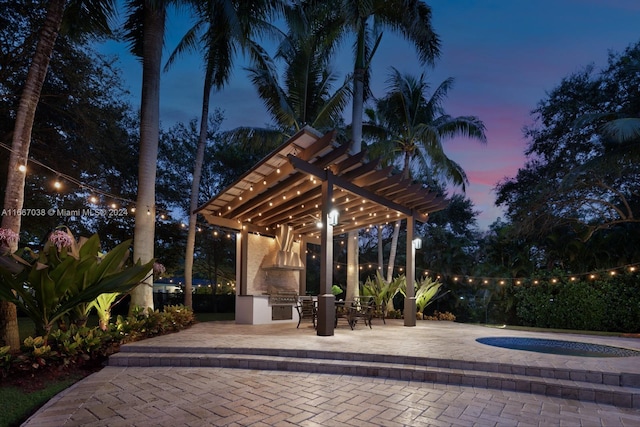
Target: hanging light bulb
(22,168)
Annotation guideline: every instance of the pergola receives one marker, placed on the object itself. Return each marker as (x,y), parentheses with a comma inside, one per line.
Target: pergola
(303,184)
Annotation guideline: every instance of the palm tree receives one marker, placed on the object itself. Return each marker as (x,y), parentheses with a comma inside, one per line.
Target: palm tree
(411,126)
(80,17)
(305,96)
(363,18)
(144,28)
(409,18)
(222,27)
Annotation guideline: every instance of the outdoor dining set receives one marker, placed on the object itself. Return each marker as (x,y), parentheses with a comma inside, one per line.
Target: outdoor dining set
(352,311)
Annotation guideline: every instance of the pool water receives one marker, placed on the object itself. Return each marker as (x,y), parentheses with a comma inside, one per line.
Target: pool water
(561,347)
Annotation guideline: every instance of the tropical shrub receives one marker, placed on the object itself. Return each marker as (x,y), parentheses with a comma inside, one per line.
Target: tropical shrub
(65,277)
(149,323)
(81,345)
(446,316)
(609,303)
(382,292)
(377,289)
(427,290)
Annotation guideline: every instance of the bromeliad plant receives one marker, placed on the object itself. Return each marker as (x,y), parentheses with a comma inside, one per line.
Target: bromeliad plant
(103,304)
(65,277)
(382,292)
(425,294)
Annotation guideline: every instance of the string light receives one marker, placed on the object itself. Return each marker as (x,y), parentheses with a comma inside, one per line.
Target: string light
(630,268)
(61,176)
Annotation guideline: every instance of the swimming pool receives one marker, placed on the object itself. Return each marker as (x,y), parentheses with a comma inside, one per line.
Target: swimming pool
(561,347)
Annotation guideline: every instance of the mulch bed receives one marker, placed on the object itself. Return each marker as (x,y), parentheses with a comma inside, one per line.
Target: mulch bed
(37,379)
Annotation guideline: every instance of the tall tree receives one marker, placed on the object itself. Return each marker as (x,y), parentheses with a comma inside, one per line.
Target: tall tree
(145,28)
(412,126)
(580,177)
(365,19)
(83,17)
(222,28)
(302,94)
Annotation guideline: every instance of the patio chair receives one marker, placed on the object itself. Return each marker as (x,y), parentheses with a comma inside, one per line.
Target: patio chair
(306,308)
(363,308)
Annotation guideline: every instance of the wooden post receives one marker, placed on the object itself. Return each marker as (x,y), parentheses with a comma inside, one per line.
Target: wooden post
(326,300)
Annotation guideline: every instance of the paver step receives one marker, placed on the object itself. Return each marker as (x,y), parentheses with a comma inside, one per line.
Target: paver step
(476,376)
(596,377)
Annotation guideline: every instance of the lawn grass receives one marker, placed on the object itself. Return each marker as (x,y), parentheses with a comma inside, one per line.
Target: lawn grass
(16,405)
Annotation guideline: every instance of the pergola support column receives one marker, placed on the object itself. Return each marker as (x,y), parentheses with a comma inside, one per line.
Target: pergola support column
(410,300)
(353,270)
(326,300)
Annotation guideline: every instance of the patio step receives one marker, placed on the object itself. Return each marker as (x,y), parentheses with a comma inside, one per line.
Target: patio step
(621,390)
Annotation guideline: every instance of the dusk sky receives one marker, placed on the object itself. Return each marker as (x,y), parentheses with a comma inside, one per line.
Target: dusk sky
(504,55)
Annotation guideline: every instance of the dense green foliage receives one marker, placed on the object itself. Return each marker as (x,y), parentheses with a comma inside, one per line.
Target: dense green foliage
(603,304)
(63,279)
(80,345)
(577,199)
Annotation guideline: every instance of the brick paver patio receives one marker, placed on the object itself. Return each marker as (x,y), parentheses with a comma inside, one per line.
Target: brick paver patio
(215,396)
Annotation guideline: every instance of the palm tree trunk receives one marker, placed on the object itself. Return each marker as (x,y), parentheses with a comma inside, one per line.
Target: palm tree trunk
(9,332)
(356,146)
(396,229)
(14,194)
(144,232)
(393,250)
(380,250)
(357,110)
(195,192)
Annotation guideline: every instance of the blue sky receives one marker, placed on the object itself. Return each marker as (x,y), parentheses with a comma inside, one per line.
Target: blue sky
(503,54)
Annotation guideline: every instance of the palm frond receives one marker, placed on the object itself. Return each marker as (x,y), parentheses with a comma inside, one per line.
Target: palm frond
(411,19)
(89,18)
(254,139)
(462,126)
(623,130)
(332,108)
(188,43)
(264,78)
